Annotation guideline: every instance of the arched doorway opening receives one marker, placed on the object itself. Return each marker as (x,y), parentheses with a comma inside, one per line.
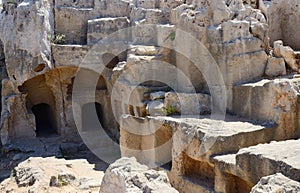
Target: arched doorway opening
(44,120)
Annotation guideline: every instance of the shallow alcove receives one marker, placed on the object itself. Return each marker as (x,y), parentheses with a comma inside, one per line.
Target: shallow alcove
(110,60)
(44,120)
(91,116)
(198,171)
(101,84)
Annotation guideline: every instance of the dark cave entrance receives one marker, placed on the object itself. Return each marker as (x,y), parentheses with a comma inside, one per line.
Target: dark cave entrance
(3,72)
(44,120)
(92,114)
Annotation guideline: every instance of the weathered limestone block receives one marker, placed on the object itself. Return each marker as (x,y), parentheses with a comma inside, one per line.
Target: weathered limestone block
(14,113)
(238,40)
(144,34)
(145,50)
(235,29)
(147,139)
(275,67)
(147,16)
(282,17)
(127,175)
(225,182)
(199,138)
(75,3)
(188,104)
(145,23)
(150,4)
(276,183)
(15,120)
(101,28)
(237,173)
(166,35)
(282,157)
(66,55)
(157,95)
(38,174)
(270,100)
(189,142)
(289,55)
(155,108)
(246,66)
(114,8)
(72,22)
(221,12)
(168,5)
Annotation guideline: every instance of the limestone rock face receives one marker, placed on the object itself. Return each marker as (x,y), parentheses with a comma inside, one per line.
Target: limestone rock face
(101,28)
(23,56)
(276,183)
(270,100)
(235,34)
(127,175)
(282,17)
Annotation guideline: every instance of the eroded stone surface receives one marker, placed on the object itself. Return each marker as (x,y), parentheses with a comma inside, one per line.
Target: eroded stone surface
(276,183)
(127,175)
(270,100)
(288,54)
(275,67)
(39,174)
(271,158)
(188,104)
(282,17)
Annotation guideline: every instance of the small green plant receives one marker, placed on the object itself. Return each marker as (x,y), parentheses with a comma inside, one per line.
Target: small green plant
(10,2)
(169,110)
(57,39)
(171,36)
